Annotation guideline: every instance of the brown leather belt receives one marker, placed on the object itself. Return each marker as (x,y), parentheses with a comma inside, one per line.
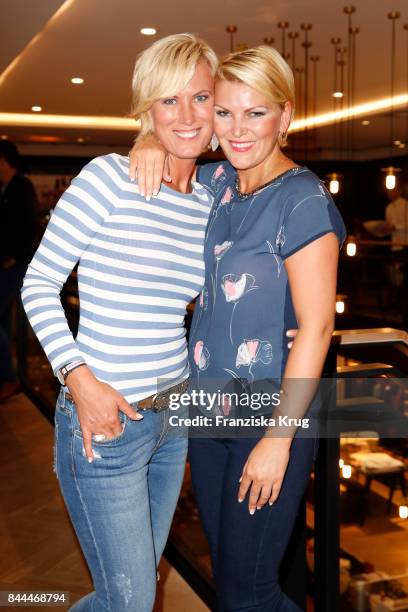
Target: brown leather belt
(156,402)
(160,401)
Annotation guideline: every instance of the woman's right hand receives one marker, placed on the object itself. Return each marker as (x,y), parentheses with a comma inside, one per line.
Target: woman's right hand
(97,405)
(149,164)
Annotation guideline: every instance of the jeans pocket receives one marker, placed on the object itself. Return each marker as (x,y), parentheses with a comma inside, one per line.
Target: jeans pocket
(123,420)
(63,405)
(96,439)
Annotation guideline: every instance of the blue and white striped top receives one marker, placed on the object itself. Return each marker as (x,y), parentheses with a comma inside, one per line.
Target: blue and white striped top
(140,264)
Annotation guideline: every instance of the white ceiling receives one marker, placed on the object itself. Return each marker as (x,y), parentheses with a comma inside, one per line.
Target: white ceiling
(43,44)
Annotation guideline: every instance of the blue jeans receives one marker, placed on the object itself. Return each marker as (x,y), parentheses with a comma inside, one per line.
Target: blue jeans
(246,551)
(122,504)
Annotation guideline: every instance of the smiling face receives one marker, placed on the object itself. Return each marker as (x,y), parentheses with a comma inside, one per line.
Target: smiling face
(184,122)
(248,124)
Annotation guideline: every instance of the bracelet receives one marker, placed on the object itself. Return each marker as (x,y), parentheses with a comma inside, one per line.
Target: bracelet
(72,369)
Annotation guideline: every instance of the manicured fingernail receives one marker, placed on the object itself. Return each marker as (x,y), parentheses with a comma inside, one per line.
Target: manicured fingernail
(259,507)
(148,198)
(139,417)
(90,460)
(252,511)
(155,193)
(271,503)
(290,344)
(240,500)
(240,479)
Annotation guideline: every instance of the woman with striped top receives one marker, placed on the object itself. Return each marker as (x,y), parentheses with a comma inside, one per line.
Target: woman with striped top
(140,264)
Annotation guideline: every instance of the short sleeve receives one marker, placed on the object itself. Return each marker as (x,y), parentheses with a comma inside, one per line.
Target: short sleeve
(310,213)
(214,176)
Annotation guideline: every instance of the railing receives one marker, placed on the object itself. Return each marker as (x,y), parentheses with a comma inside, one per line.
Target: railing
(375,281)
(327,477)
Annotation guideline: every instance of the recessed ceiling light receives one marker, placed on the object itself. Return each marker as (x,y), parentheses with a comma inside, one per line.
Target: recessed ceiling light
(4,137)
(365,122)
(148,31)
(338,94)
(80,139)
(402,145)
(36,109)
(397,143)
(77,80)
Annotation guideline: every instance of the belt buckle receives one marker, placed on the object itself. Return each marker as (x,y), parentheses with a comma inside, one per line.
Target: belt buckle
(179,388)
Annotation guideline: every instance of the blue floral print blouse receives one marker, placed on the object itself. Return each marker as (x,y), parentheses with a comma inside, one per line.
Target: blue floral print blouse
(245,308)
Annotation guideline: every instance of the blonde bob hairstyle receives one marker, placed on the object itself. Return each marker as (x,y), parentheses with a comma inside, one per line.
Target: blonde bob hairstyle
(164,69)
(265,70)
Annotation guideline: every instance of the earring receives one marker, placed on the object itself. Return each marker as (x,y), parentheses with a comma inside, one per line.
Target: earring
(282,138)
(214,144)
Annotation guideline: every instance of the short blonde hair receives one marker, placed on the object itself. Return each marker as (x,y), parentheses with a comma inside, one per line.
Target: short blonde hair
(164,69)
(264,69)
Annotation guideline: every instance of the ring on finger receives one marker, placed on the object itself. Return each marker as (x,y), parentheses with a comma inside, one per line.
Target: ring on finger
(99,437)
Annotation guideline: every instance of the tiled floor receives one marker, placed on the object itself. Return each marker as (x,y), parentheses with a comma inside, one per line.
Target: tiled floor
(39,550)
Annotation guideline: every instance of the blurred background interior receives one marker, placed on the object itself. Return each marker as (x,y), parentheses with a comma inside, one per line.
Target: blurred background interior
(65,70)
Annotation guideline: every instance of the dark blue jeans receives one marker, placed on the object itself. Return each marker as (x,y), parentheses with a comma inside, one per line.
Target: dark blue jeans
(11,280)
(246,551)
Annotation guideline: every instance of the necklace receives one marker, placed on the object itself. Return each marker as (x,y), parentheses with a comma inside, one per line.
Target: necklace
(244,196)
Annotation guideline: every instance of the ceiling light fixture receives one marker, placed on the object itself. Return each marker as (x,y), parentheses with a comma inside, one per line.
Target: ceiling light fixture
(351,247)
(36,109)
(306,44)
(403,512)
(4,137)
(283,25)
(346,471)
(390,176)
(334,185)
(365,122)
(231,30)
(269,40)
(77,80)
(148,31)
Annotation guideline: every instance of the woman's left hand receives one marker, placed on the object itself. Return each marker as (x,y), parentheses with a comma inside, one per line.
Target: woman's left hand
(264,472)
